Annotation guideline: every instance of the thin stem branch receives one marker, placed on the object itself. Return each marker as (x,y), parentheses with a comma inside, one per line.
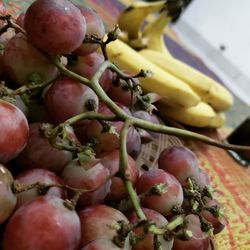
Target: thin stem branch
(182,133)
(69,73)
(90,115)
(94,84)
(124,168)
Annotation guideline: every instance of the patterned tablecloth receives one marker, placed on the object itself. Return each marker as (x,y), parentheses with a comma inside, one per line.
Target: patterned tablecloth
(231,179)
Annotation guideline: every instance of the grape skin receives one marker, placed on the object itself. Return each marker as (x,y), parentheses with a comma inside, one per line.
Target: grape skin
(147,243)
(39,153)
(7,197)
(96,222)
(95,27)
(55,26)
(21,59)
(42,176)
(44,222)
(67,98)
(14,131)
(161,203)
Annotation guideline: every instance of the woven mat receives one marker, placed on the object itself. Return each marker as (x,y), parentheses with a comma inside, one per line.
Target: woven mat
(230,179)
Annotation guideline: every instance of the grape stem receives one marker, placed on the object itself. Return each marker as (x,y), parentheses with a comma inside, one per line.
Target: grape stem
(11,24)
(123,162)
(181,133)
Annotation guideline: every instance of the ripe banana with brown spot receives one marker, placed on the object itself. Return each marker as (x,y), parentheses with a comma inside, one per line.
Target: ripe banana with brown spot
(174,91)
(201,115)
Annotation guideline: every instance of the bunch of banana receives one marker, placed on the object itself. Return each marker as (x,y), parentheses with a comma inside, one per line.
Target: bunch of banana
(189,96)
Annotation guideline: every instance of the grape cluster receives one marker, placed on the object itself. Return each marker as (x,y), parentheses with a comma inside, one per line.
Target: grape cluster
(68,172)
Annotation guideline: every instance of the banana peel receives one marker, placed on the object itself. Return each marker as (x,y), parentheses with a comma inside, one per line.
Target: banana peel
(173,91)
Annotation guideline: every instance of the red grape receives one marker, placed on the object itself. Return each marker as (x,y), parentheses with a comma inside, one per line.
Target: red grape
(55,26)
(133,142)
(95,27)
(14,131)
(87,66)
(22,60)
(39,153)
(111,161)
(119,92)
(67,98)
(88,175)
(20,20)
(219,221)
(44,223)
(103,244)
(97,222)
(147,243)
(107,141)
(42,176)
(163,203)
(180,162)
(7,198)
(147,136)
(198,240)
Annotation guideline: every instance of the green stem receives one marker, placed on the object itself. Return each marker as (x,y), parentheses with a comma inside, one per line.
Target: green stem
(31,86)
(181,133)
(101,93)
(123,169)
(69,73)
(90,115)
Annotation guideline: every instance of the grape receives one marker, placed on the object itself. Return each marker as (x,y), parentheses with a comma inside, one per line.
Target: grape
(14,131)
(217,222)
(67,98)
(133,142)
(39,153)
(89,175)
(107,141)
(1,67)
(20,20)
(7,198)
(180,162)
(55,26)
(38,175)
(21,105)
(97,222)
(147,136)
(103,244)
(87,66)
(95,27)
(23,62)
(44,223)
(147,243)
(111,161)
(37,112)
(202,179)
(163,203)
(198,240)
(119,92)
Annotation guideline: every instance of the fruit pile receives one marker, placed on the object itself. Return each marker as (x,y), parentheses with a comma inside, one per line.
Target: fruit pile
(72,126)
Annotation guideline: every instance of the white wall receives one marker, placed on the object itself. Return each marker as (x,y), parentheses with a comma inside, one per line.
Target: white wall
(207,24)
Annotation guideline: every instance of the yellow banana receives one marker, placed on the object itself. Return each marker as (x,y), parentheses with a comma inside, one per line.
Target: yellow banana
(174,91)
(132,18)
(208,89)
(218,121)
(153,34)
(202,115)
